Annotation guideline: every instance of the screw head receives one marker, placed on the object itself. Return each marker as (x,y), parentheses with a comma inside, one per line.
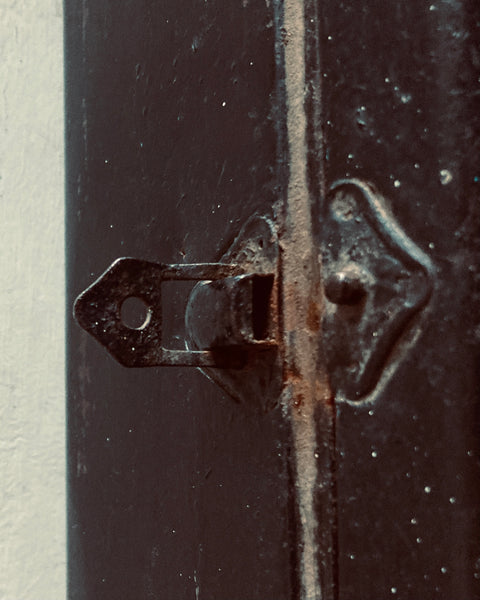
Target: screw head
(346,287)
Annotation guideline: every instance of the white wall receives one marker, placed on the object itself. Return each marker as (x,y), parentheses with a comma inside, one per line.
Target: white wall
(32,424)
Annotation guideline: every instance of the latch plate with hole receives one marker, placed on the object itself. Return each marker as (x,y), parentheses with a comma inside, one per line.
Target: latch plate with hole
(231,315)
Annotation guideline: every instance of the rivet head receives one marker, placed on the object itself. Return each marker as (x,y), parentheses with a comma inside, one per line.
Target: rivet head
(345,287)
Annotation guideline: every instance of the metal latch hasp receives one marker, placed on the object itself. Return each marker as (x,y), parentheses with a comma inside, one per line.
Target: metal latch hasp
(231,314)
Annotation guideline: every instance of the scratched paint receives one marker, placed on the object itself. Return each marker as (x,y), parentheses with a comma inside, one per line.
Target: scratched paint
(307,391)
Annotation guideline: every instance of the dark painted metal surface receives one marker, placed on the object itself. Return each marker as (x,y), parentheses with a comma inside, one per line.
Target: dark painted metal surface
(174,492)
(400,109)
(175,137)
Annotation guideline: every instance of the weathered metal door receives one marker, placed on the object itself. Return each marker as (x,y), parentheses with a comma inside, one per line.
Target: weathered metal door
(325,156)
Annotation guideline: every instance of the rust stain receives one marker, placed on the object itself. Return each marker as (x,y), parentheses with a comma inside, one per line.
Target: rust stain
(298,400)
(292,374)
(314,316)
(306,385)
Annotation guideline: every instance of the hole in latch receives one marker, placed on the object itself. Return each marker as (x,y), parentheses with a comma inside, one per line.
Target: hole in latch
(261,292)
(135,313)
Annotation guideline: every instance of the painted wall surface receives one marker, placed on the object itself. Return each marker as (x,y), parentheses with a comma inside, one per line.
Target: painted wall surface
(32,432)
